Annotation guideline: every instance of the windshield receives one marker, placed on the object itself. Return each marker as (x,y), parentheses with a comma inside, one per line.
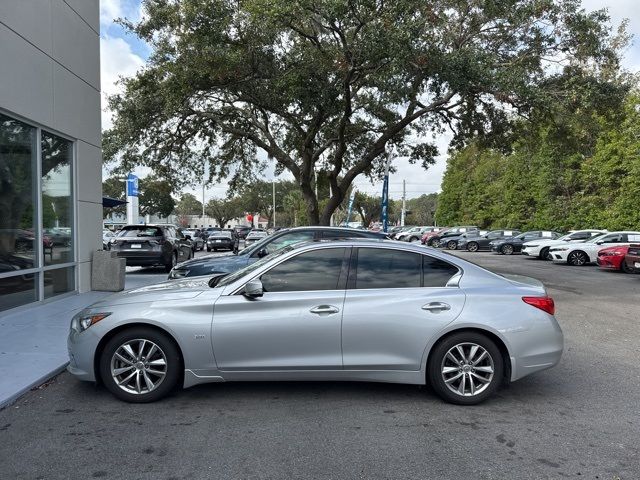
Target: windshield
(252,267)
(595,239)
(220,235)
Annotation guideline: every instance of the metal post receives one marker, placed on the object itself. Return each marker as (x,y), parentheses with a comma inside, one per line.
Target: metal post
(404,202)
(274,204)
(385,196)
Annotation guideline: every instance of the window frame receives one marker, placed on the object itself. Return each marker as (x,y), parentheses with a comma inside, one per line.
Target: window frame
(39,263)
(353,269)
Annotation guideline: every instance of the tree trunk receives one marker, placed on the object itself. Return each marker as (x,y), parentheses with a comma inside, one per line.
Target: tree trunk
(312,204)
(334,202)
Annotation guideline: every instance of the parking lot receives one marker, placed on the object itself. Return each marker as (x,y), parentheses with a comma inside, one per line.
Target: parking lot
(577,420)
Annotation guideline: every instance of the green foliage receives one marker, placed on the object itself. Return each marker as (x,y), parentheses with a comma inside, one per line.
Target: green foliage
(224,210)
(422,209)
(329,85)
(188,205)
(578,169)
(114,188)
(155,197)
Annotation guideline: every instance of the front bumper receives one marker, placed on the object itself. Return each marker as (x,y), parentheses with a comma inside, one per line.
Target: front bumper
(610,262)
(81,348)
(559,256)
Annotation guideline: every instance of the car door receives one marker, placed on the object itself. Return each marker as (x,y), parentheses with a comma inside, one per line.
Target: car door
(295,325)
(183,245)
(484,240)
(396,301)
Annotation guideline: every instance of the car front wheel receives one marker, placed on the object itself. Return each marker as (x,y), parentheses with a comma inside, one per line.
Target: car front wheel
(452,245)
(544,254)
(577,259)
(465,368)
(140,365)
(507,249)
(472,247)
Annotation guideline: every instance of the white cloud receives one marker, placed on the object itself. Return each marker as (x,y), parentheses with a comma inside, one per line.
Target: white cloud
(116,60)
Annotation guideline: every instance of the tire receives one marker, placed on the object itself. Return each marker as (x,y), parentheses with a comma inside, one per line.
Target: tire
(431,242)
(208,249)
(452,245)
(165,350)
(473,246)
(492,371)
(174,261)
(544,254)
(506,249)
(577,258)
(626,268)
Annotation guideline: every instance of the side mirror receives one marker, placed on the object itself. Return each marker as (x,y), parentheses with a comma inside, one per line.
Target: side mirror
(188,237)
(599,242)
(263,253)
(253,288)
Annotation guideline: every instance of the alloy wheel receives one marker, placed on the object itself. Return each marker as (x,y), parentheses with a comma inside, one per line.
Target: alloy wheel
(577,259)
(467,369)
(507,249)
(138,366)
(472,247)
(452,245)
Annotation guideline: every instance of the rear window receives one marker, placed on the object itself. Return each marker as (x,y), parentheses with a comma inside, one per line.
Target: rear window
(141,231)
(220,235)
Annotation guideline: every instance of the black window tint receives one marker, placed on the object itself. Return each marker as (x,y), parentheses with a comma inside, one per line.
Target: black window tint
(436,272)
(580,236)
(382,268)
(318,270)
(288,239)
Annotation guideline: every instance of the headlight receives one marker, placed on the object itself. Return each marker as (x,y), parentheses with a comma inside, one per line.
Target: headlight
(83,320)
(178,273)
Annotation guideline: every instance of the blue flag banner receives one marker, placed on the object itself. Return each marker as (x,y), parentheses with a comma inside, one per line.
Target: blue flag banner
(132,185)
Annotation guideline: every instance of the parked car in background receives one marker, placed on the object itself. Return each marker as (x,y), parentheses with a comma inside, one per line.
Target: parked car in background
(380,311)
(479,241)
(511,245)
(222,240)
(453,241)
(242,231)
(212,265)
(612,258)
(254,236)
(395,233)
(580,254)
(445,239)
(197,242)
(150,245)
(632,259)
(416,233)
(540,247)
(209,230)
(107,236)
(428,238)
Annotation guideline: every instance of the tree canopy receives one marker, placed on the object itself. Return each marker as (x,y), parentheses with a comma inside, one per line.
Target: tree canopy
(329,85)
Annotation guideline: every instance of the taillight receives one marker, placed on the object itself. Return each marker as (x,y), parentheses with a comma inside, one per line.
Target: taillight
(543,303)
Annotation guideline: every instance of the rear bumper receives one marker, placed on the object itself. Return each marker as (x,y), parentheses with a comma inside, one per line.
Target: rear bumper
(633,262)
(538,349)
(142,258)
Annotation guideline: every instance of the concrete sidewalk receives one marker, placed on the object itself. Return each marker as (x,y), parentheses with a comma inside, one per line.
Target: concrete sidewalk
(33,343)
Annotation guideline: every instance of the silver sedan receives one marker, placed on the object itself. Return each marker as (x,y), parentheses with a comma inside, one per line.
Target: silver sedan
(356,310)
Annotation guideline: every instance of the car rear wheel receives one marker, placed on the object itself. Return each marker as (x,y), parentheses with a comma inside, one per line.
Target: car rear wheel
(625,268)
(465,368)
(452,245)
(432,242)
(140,365)
(544,254)
(473,247)
(507,249)
(577,258)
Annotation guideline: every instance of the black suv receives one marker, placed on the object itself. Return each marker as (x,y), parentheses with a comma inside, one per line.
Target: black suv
(149,245)
(214,264)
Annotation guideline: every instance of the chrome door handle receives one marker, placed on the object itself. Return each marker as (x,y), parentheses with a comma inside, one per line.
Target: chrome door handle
(328,309)
(436,306)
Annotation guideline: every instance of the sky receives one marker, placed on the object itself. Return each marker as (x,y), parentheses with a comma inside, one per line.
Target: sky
(122,55)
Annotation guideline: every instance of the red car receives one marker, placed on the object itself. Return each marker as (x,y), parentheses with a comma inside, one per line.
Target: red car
(612,258)
(427,236)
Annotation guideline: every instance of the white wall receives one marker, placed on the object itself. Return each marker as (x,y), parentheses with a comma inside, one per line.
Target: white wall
(50,76)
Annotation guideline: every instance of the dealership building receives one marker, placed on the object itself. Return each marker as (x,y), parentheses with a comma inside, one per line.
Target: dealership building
(50,155)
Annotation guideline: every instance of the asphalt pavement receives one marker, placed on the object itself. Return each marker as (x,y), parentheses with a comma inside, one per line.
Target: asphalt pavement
(578,420)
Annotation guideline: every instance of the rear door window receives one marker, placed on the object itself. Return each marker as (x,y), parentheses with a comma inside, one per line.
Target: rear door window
(288,239)
(387,268)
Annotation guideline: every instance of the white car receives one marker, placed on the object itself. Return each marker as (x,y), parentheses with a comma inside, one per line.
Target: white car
(414,233)
(540,248)
(587,252)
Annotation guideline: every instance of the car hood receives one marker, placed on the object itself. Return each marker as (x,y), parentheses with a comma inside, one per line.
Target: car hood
(215,263)
(546,243)
(171,290)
